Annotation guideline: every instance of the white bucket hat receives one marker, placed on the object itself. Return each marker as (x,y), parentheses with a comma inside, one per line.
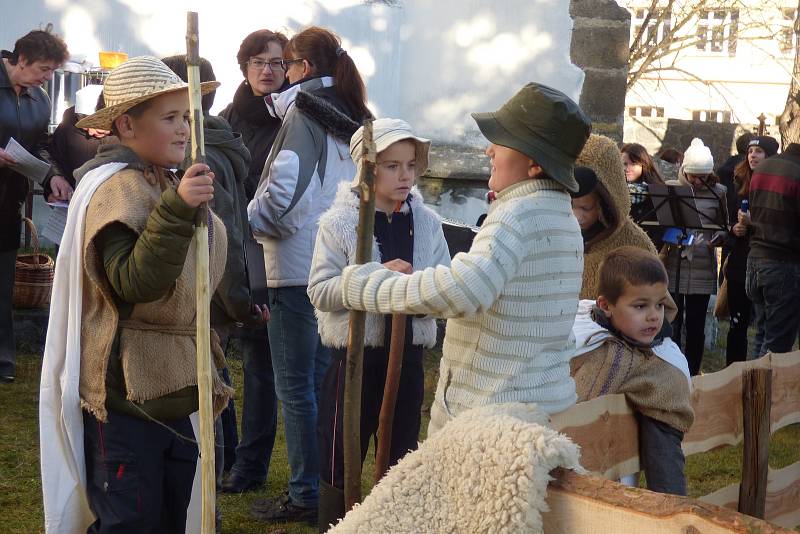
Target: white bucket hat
(386,132)
(133,82)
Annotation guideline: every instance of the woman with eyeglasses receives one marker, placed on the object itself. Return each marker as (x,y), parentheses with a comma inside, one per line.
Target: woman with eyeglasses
(323,106)
(259,58)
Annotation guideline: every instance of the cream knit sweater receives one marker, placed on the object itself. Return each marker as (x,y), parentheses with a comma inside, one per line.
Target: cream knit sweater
(512,300)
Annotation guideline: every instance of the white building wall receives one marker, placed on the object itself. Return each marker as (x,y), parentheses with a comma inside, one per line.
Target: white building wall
(753,81)
(430,62)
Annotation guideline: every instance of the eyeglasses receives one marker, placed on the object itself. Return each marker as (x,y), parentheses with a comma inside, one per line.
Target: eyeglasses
(286,62)
(259,64)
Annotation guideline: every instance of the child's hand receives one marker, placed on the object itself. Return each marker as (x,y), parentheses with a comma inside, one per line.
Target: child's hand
(197,185)
(399,266)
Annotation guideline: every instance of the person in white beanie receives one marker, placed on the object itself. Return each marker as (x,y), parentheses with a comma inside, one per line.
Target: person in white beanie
(405,229)
(698,267)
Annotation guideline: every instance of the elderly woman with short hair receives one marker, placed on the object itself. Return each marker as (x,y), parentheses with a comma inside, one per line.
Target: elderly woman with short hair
(24,115)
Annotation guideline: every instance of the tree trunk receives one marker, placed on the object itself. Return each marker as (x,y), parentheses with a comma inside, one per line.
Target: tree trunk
(790,118)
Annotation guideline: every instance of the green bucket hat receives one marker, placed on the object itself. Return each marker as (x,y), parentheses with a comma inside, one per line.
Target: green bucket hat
(545,125)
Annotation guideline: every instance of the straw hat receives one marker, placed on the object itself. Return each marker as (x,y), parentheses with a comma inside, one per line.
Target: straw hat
(133,82)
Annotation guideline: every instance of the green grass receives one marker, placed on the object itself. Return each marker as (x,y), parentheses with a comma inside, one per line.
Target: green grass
(20,490)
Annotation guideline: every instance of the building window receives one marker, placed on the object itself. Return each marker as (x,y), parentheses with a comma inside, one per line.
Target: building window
(787,38)
(711,115)
(717,30)
(654,29)
(645,111)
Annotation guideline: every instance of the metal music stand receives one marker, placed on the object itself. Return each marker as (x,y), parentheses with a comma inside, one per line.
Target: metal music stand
(675,207)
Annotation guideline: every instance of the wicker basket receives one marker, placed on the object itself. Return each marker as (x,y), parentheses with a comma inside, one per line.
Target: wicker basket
(34,277)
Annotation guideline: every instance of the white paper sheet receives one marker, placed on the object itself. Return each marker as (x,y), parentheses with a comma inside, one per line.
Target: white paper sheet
(54,228)
(27,164)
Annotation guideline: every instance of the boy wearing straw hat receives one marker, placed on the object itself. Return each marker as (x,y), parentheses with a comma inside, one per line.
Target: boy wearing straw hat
(119,373)
(511,300)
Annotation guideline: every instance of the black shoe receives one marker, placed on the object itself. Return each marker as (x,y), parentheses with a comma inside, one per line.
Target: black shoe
(331,505)
(6,379)
(234,483)
(281,509)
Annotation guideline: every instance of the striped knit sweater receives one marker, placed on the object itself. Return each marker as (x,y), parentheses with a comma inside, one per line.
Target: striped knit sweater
(511,301)
(775,207)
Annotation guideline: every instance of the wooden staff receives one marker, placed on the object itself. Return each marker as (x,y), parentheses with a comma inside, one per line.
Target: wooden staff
(203,341)
(355,348)
(386,418)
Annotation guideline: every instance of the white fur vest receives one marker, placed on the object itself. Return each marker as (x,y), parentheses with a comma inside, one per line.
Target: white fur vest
(336,248)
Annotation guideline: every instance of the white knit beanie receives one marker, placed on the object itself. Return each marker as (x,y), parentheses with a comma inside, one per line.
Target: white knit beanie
(697,159)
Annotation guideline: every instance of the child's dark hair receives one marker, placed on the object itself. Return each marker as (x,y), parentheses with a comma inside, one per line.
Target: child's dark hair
(638,154)
(629,265)
(256,43)
(323,50)
(39,45)
(177,64)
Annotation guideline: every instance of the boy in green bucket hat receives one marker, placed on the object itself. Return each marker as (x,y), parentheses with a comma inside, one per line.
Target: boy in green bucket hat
(511,300)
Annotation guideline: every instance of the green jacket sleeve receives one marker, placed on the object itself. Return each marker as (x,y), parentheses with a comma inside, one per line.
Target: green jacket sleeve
(143,268)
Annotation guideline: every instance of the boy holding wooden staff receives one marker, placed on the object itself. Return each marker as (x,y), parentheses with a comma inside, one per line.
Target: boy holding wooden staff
(119,377)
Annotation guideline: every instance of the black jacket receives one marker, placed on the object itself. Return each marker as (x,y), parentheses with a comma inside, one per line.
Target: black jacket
(25,118)
(248,115)
(71,147)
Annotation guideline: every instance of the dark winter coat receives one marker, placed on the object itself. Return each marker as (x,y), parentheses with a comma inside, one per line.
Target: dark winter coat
(248,115)
(229,160)
(24,117)
(71,147)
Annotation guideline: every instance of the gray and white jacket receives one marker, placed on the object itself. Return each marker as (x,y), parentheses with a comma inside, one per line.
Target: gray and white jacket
(308,160)
(335,249)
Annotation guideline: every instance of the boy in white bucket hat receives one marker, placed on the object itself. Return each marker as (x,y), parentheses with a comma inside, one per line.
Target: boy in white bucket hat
(405,231)
(119,375)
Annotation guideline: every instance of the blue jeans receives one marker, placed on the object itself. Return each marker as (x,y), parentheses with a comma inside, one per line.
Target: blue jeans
(300,362)
(774,287)
(260,407)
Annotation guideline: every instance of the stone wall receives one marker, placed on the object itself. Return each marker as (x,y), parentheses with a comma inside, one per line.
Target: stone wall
(600,36)
(657,134)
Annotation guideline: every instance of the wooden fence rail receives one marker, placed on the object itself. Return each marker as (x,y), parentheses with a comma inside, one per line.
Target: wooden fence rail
(606,430)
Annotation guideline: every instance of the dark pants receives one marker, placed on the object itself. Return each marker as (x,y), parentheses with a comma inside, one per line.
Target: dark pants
(774,286)
(694,307)
(259,407)
(405,428)
(139,474)
(227,428)
(661,456)
(8,262)
(740,308)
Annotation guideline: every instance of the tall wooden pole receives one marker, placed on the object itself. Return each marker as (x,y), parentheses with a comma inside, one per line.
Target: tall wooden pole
(203,292)
(392,384)
(355,349)
(756,401)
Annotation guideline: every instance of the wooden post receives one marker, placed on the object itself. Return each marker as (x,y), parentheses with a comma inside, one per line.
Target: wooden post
(386,417)
(355,349)
(203,290)
(756,400)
